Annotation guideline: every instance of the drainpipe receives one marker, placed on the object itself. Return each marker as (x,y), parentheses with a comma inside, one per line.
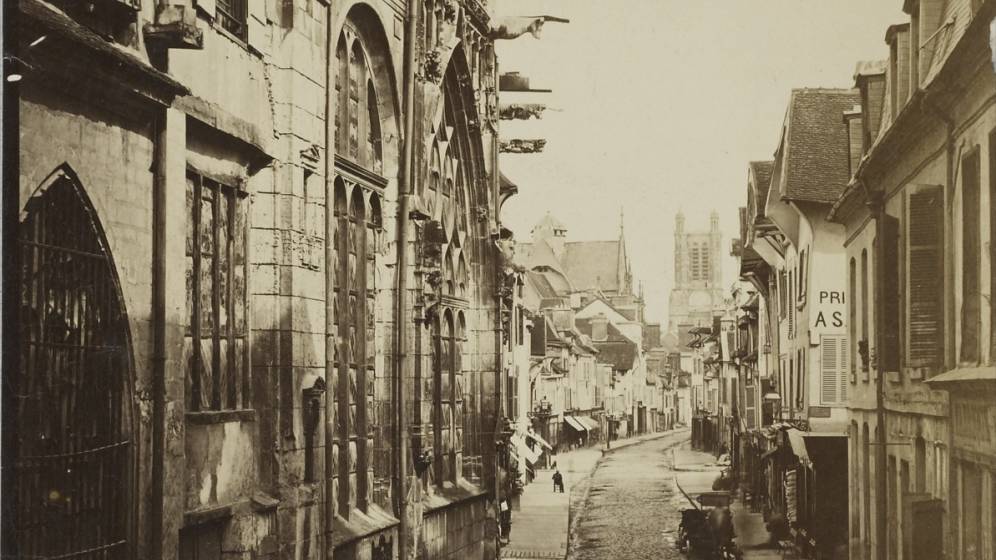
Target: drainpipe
(934,107)
(160,60)
(406,188)
(876,206)
(329,287)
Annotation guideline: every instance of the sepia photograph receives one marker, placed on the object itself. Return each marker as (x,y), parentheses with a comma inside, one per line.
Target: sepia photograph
(498,279)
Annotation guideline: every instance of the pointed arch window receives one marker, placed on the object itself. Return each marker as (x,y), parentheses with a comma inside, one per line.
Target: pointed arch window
(453,418)
(74,458)
(360,451)
(357,111)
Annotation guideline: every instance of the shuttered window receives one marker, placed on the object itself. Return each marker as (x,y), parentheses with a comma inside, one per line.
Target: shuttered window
(750,407)
(890,292)
(925,274)
(852,316)
(992,254)
(971,312)
(865,304)
(791,306)
(833,369)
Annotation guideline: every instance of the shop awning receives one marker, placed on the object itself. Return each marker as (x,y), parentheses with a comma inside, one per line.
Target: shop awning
(536,437)
(574,423)
(964,374)
(798,444)
(588,422)
(523,451)
(798,440)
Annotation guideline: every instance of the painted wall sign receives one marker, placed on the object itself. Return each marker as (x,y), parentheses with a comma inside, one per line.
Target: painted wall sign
(827,314)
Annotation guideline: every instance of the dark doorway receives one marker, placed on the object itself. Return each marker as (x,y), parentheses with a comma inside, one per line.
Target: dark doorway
(73,444)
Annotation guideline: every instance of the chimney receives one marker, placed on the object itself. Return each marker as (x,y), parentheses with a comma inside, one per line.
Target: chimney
(898,39)
(599,328)
(852,119)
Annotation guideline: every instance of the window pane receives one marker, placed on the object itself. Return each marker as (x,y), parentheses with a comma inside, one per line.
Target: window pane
(242,373)
(207,284)
(188,367)
(224,375)
(207,373)
(223,260)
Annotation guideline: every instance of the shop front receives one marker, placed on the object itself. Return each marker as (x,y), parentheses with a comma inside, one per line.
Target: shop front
(973,460)
(816,509)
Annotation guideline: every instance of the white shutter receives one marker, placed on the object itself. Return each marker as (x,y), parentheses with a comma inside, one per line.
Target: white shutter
(843,364)
(829,369)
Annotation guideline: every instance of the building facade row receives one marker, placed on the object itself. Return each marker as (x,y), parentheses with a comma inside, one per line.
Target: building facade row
(866,330)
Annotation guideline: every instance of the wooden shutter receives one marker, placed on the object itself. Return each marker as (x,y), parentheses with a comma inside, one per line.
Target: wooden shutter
(538,337)
(843,366)
(925,262)
(889,291)
(829,369)
(833,369)
(971,312)
(992,246)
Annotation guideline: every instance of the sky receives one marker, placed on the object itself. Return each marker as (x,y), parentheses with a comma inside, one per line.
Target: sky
(659,105)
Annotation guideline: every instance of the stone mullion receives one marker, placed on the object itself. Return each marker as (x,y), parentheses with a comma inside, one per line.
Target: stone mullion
(357,357)
(456,389)
(436,422)
(346,499)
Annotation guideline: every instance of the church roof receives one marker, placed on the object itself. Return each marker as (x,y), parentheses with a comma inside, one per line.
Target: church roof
(594,264)
(539,254)
(548,221)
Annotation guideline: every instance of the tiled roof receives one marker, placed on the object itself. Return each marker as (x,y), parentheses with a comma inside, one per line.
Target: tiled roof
(616,350)
(593,264)
(543,287)
(817,160)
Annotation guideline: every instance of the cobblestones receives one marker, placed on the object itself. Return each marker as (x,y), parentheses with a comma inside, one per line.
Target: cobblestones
(631,508)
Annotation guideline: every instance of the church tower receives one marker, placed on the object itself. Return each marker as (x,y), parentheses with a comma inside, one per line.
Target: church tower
(697,291)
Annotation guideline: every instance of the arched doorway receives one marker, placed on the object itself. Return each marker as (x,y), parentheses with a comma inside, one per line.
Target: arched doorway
(74,447)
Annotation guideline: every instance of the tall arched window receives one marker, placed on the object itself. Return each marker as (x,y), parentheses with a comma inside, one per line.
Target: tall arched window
(449,177)
(360,456)
(360,449)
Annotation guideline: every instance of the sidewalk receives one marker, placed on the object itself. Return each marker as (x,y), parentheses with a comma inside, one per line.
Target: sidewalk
(540,526)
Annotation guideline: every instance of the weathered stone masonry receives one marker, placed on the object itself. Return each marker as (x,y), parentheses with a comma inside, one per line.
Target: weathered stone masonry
(265,141)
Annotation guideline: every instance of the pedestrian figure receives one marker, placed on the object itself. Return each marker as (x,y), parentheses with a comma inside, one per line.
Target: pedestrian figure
(558,482)
(505,521)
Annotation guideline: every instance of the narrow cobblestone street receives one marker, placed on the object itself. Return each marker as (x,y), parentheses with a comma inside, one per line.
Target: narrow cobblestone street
(632,509)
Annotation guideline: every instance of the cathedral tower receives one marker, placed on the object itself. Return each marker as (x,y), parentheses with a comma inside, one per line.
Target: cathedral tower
(698,275)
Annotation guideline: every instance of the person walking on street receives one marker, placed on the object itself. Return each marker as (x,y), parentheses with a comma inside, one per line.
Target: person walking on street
(558,482)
